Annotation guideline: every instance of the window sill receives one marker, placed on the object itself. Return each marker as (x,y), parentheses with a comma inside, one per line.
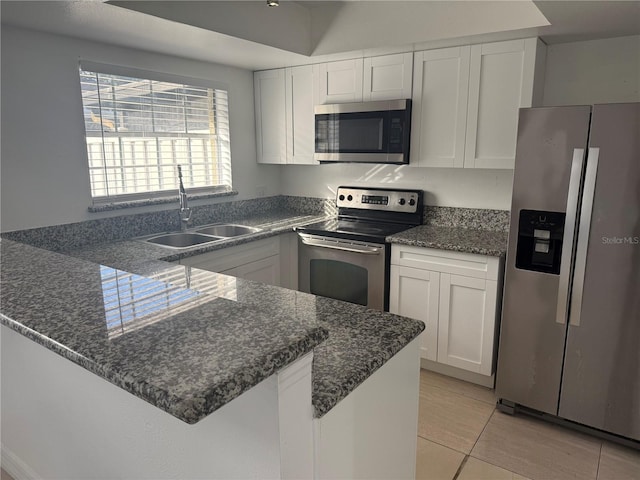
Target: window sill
(106,207)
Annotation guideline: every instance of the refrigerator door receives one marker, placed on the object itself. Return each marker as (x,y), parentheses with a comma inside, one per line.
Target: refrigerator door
(601,380)
(549,157)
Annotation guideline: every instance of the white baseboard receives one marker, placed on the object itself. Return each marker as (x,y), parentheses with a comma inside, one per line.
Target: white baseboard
(14,466)
(472,377)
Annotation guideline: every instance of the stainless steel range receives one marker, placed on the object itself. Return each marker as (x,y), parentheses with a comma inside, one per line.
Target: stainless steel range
(347,258)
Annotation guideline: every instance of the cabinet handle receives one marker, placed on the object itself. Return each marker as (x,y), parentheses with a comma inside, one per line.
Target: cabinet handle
(568,238)
(584,231)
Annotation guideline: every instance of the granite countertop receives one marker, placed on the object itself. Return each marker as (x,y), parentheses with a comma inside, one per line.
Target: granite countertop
(468,240)
(136,251)
(214,337)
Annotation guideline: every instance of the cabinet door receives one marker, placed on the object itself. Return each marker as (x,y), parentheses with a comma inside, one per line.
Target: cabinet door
(415,293)
(289,261)
(225,259)
(340,82)
(269,90)
(467,323)
(439,118)
(299,105)
(500,82)
(266,271)
(387,77)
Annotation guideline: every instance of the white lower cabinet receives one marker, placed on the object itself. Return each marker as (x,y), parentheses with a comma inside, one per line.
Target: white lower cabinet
(289,260)
(266,271)
(415,294)
(457,296)
(258,260)
(466,323)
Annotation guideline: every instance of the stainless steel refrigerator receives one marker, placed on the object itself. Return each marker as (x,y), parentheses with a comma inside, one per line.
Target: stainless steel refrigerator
(570,332)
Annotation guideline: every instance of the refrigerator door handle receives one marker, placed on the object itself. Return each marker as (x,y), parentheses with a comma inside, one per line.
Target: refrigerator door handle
(583,235)
(569,235)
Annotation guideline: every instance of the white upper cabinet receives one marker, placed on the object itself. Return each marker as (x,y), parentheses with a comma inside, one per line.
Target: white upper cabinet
(501,81)
(299,114)
(340,82)
(439,110)
(387,77)
(271,138)
(284,101)
(466,101)
(464,110)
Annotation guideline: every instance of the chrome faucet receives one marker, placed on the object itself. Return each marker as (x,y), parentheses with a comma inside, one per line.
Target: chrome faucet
(185,211)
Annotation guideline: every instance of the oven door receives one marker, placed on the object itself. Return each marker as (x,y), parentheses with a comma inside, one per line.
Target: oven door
(342,269)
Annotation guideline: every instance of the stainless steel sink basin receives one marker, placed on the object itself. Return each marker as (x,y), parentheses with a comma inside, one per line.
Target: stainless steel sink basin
(182,239)
(228,230)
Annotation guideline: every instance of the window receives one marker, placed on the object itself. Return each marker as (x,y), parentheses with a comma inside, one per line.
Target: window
(138,130)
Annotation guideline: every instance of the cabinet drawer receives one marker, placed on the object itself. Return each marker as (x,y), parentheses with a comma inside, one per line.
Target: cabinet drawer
(457,263)
(232,257)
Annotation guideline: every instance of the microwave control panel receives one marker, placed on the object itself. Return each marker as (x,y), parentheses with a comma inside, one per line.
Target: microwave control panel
(387,200)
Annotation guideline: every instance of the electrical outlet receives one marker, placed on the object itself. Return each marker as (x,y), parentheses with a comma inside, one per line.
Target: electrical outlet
(261,191)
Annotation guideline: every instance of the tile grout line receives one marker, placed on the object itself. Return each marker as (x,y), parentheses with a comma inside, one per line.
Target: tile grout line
(599,459)
(484,460)
(466,455)
(463,394)
(483,429)
(442,445)
(462,464)
(476,442)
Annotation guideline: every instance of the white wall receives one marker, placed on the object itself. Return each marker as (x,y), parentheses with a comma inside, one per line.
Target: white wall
(443,186)
(579,73)
(62,421)
(394,23)
(595,71)
(43,163)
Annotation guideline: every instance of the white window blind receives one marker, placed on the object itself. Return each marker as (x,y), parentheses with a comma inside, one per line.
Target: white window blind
(138,130)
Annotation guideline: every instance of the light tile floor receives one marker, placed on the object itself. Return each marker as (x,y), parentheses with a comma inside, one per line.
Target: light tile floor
(462,436)
(4,475)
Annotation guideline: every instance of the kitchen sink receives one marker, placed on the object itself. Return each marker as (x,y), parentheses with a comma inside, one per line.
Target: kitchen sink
(228,230)
(201,236)
(182,239)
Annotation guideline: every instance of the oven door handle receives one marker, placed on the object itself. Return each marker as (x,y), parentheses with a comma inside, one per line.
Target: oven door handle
(337,245)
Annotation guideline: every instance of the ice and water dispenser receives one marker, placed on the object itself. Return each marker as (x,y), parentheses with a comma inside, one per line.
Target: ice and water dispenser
(540,241)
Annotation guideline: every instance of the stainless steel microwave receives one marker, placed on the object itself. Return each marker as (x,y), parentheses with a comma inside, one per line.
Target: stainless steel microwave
(368,132)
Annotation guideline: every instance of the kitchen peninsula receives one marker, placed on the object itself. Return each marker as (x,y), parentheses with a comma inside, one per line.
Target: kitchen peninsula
(249,380)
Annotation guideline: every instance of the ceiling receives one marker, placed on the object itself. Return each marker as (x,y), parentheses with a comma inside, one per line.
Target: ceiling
(248,34)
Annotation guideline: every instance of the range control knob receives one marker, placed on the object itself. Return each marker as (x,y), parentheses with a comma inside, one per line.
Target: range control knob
(349,197)
(341,197)
(402,201)
(412,202)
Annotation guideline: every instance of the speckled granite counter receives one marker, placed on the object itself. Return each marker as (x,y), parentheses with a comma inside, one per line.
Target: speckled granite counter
(136,252)
(211,337)
(458,239)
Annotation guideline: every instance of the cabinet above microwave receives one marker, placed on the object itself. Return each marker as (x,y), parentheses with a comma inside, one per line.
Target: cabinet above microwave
(365,132)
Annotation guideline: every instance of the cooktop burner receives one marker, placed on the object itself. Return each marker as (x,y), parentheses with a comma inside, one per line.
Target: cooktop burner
(355,229)
(370,215)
